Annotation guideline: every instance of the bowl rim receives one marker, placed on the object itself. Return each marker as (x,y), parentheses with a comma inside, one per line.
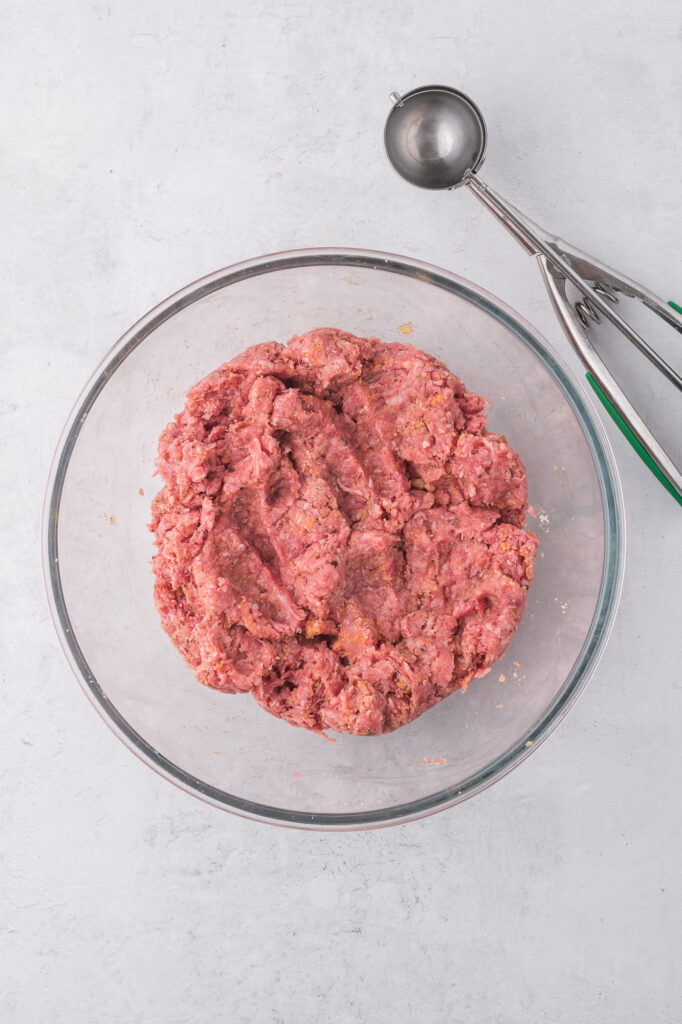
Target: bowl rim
(583,408)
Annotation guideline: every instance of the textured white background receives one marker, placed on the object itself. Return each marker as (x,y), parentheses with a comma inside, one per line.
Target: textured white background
(146,144)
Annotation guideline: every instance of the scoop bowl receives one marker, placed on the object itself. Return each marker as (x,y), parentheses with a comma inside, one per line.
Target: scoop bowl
(435,137)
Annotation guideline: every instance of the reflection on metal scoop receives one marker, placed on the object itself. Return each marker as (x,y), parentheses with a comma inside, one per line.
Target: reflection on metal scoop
(435,138)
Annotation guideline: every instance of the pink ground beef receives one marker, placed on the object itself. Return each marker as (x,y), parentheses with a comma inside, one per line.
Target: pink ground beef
(338,534)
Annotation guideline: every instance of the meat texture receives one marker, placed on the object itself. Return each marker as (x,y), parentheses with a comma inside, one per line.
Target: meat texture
(338,534)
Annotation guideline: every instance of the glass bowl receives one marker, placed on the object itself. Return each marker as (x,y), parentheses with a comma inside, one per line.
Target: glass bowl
(226,749)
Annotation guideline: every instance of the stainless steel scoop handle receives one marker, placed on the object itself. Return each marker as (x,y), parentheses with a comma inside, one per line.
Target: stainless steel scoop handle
(627,417)
(537,241)
(598,272)
(561,262)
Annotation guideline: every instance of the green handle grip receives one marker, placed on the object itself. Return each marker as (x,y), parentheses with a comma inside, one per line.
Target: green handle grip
(627,432)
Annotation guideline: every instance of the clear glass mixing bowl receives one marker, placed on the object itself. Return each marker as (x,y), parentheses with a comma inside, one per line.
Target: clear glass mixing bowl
(226,749)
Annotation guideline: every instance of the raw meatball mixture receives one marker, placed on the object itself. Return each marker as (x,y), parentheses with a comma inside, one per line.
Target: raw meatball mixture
(338,534)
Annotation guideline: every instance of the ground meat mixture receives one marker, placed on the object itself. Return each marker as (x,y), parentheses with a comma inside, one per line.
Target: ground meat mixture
(338,534)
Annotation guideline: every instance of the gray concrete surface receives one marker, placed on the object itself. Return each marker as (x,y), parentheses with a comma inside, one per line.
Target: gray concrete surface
(146,144)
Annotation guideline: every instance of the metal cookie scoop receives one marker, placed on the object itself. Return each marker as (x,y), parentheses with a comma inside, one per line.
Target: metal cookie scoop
(435,138)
